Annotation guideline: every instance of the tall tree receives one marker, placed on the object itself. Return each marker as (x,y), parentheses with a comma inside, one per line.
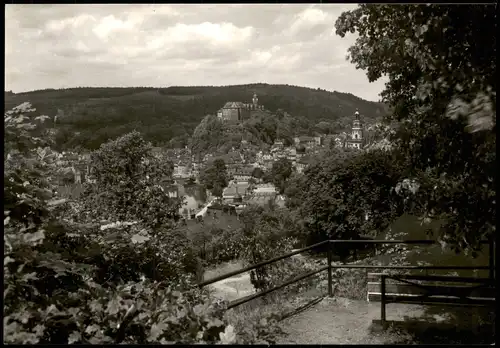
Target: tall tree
(128,178)
(257,173)
(215,177)
(441,65)
(280,173)
(335,195)
(207,135)
(324,127)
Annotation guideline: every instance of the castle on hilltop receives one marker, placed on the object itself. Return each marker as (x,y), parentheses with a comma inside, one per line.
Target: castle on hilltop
(238,111)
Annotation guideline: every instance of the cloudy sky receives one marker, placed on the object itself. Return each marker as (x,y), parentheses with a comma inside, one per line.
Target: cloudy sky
(59,46)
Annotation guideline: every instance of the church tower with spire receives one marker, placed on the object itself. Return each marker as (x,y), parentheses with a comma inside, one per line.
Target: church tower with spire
(356,140)
(255,102)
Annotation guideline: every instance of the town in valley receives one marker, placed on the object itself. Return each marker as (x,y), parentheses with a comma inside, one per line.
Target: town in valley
(244,187)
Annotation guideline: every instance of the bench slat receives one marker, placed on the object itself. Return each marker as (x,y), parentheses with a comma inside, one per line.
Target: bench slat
(375,277)
(403,288)
(446,278)
(444,300)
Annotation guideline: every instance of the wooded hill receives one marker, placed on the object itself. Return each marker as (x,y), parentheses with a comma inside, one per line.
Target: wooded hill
(87,117)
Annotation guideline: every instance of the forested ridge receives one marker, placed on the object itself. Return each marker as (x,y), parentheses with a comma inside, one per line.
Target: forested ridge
(88,117)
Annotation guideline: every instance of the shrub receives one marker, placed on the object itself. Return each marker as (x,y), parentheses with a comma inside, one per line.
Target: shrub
(256,327)
(218,245)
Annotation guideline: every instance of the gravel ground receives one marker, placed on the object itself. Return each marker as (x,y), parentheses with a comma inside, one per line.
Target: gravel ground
(343,321)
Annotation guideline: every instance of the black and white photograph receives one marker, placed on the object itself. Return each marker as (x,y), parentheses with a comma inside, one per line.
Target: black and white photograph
(271,174)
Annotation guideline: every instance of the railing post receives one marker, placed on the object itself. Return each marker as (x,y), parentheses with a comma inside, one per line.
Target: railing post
(329,260)
(492,259)
(382,300)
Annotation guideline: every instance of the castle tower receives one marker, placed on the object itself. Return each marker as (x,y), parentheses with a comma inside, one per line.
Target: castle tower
(255,101)
(357,132)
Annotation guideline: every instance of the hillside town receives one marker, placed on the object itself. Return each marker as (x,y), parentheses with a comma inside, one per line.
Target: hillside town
(243,162)
(240,163)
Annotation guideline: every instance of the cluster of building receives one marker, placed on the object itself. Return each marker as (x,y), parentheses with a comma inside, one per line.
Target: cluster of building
(240,193)
(240,161)
(76,167)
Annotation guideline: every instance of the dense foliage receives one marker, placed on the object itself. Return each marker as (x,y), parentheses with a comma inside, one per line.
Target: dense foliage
(259,131)
(437,159)
(89,117)
(268,233)
(208,135)
(215,177)
(346,194)
(442,88)
(279,174)
(71,279)
(129,183)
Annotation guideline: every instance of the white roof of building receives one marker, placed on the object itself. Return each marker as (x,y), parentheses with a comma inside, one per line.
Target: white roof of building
(265,188)
(233,105)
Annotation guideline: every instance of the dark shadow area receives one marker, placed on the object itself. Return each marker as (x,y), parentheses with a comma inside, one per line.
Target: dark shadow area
(440,325)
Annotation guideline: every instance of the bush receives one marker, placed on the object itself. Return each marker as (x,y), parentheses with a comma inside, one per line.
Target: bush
(219,245)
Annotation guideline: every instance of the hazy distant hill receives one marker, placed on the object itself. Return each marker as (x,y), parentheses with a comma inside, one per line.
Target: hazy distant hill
(90,116)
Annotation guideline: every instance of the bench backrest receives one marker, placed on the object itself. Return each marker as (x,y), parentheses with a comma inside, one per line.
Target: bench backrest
(439,285)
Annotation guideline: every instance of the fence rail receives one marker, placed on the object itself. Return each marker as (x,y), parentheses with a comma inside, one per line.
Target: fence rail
(329,267)
(260,264)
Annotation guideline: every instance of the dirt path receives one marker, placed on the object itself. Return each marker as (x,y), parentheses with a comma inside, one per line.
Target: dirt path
(342,321)
(233,288)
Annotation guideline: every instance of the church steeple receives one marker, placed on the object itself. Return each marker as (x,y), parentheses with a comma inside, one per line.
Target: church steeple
(357,131)
(255,101)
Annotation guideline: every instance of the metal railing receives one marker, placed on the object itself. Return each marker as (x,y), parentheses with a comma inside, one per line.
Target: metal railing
(329,267)
(459,297)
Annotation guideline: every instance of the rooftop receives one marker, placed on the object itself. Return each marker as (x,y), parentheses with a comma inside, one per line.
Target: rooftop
(247,170)
(234,189)
(306,138)
(260,200)
(264,189)
(234,105)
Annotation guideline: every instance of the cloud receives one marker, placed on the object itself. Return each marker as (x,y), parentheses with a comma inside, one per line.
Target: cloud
(60,46)
(309,19)
(110,24)
(203,35)
(57,26)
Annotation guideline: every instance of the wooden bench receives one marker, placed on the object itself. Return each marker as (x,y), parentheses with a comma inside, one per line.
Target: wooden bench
(429,290)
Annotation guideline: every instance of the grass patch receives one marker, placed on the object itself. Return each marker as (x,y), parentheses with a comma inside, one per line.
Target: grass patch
(223,221)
